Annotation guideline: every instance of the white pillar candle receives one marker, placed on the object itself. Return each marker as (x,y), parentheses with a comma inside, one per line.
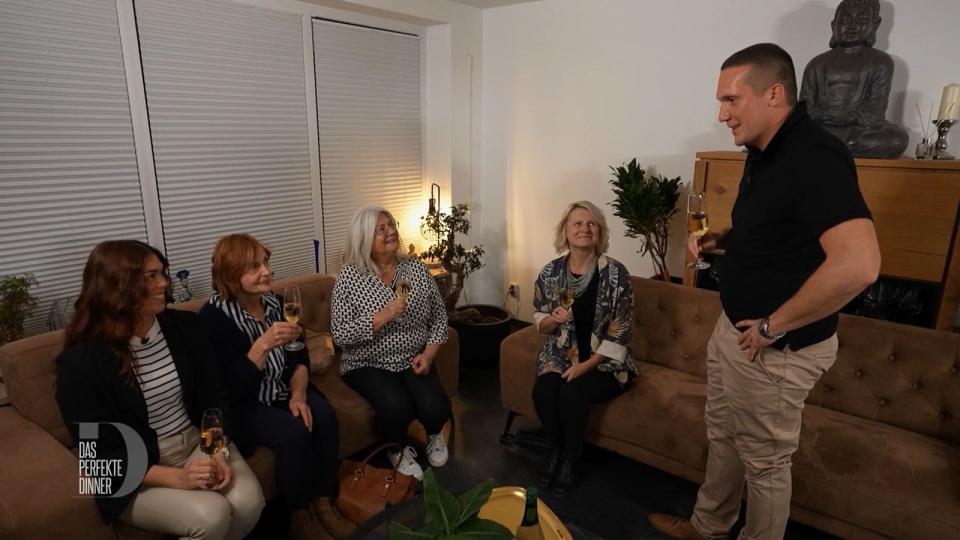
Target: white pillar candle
(950,103)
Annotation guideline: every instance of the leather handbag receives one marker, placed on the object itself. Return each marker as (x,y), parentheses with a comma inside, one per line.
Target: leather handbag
(366,490)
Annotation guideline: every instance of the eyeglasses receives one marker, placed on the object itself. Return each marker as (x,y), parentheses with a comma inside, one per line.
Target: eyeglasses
(381,230)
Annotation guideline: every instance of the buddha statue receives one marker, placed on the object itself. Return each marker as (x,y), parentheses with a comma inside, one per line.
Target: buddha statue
(847,87)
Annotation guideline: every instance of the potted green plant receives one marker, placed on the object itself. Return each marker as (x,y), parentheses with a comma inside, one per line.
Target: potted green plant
(448,516)
(481,327)
(16,304)
(646,203)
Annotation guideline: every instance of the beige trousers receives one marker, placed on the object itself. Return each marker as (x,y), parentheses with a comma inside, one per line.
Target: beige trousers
(753,426)
(230,513)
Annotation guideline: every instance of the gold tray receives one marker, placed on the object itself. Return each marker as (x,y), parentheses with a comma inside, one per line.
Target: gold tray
(506,506)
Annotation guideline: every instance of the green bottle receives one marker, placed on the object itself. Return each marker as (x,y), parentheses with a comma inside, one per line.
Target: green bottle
(530,526)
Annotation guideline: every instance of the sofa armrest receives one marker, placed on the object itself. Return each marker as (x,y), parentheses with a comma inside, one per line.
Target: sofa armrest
(38,486)
(447,363)
(518,370)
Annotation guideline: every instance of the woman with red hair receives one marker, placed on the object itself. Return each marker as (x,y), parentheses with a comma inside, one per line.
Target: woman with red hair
(130,361)
(269,387)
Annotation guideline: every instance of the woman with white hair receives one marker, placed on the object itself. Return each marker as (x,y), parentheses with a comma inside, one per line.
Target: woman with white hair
(389,319)
(583,303)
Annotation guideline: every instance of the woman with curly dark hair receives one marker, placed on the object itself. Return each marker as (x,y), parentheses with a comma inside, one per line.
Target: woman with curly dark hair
(130,361)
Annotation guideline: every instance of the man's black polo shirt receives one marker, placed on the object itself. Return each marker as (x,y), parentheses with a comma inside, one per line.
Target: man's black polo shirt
(803,183)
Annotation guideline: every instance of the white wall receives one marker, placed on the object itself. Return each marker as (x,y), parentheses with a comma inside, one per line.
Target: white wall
(571,87)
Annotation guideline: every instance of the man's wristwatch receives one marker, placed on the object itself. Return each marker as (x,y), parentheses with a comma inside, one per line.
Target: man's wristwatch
(765,330)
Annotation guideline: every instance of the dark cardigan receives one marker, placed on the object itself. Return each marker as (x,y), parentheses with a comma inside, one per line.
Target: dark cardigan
(242,377)
(90,389)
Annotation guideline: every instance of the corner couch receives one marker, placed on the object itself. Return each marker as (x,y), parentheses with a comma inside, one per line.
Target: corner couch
(879,453)
(38,464)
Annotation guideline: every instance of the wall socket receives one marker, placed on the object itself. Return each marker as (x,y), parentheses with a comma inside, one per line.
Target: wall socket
(513,291)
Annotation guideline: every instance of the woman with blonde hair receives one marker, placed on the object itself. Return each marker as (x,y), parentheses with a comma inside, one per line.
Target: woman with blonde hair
(269,388)
(583,303)
(129,360)
(390,320)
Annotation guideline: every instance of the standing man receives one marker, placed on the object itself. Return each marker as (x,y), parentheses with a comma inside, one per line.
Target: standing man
(801,246)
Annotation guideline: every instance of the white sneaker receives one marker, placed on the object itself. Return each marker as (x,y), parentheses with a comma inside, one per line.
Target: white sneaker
(437,453)
(408,465)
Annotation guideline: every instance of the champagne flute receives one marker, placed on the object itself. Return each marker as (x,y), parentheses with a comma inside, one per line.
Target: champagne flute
(697,223)
(403,292)
(566,297)
(211,432)
(292,308)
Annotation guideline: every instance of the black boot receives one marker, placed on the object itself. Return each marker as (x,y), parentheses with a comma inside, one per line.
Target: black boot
(550,465)
(565,480)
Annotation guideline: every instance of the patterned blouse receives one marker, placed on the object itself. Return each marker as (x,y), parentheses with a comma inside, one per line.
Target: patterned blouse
(612,323)
(358,295)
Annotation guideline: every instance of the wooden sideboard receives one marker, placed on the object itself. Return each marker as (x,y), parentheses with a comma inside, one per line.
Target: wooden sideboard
(915,206)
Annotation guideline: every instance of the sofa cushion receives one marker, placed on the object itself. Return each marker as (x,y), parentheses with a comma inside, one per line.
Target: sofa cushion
(662,412)
(900,375)
(672,324)
(30,374)
(354,414)
(39,494)
(893,481)
(320,347)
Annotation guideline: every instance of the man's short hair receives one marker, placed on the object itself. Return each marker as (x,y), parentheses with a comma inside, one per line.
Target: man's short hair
(769,64)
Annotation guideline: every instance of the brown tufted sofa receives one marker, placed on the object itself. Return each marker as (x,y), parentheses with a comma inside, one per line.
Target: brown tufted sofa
(878,456)
(38,469)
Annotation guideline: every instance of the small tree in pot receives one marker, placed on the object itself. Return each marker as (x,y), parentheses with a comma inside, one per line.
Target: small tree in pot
(457,260)
(16,305)
(646,203)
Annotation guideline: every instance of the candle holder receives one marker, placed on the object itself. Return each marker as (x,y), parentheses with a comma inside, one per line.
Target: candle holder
(940,148)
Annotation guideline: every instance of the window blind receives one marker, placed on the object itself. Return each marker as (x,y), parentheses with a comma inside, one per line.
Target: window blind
(368,114)
(68,168)
(227,103)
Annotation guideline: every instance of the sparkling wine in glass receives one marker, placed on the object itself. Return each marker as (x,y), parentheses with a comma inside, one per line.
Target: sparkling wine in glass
(697,223)
(211,432)
(403,292)
(566,297)
(292,308)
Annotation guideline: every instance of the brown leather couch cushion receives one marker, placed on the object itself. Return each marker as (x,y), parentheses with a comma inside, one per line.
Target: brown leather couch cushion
(30,375)
(904,484)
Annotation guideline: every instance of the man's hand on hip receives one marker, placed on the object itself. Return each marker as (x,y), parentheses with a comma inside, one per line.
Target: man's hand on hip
(750,340)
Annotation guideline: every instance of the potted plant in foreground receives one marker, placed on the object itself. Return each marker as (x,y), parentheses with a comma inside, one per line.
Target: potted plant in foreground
(16,305)
(448,516)
(646,203)
(481,327)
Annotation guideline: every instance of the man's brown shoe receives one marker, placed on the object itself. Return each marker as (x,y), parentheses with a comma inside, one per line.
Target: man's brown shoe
(674,527)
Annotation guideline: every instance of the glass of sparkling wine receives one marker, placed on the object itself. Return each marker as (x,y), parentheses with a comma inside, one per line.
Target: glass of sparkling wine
(292,307)
(403,292)
(211,432)
(566,297)
(697,223)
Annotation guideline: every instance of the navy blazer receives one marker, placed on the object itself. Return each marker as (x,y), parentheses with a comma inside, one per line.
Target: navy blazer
(242,377)
(90,389)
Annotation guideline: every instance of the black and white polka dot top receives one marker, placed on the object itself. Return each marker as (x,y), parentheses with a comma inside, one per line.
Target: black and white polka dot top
(358,295)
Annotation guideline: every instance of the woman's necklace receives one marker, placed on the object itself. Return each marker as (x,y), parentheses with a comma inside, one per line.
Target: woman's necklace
(579,283)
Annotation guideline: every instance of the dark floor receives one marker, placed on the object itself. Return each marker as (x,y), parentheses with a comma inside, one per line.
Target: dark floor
(614,497)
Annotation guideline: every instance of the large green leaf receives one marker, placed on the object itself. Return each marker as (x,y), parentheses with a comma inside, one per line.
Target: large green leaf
(443,510)
(471,501)
(485,529)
